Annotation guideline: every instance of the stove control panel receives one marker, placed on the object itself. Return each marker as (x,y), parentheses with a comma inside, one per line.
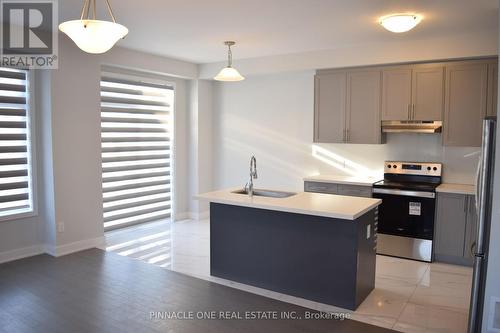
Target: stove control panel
(413,168)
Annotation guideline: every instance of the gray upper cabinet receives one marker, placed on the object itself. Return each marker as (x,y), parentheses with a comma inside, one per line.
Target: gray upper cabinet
(465,103)
(492,89)
(363,107)
(427,92)
(347,106)
(329,107)
(396,93)
(413,92)
(350,103)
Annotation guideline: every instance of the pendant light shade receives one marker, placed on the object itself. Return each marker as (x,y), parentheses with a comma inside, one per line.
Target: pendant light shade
(229,73)
(91,35)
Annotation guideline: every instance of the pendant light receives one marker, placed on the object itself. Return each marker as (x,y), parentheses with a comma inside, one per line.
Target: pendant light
(229,73)
(91,35)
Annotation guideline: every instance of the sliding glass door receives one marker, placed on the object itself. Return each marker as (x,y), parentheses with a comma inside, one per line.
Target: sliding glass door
(137,141)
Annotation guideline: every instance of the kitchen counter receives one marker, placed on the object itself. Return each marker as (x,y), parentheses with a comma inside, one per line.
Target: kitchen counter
(456,188)
(317,204)
(347,180)
(320,247)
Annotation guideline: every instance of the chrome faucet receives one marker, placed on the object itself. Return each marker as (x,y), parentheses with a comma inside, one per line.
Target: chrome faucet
(253,175)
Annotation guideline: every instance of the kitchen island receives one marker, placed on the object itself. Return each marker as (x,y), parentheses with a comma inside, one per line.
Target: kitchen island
(315,246)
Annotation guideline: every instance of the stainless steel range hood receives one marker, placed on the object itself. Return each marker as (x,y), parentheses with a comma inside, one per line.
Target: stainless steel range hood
(412,126)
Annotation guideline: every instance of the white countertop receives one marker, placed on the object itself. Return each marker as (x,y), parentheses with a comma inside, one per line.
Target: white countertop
(318,204)
(456,188)
(347,180)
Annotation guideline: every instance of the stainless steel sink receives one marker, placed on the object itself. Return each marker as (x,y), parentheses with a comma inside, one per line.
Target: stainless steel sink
(266,193)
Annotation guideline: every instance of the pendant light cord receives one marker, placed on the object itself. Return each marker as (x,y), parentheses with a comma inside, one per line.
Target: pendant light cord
(229,56)
(86,10)
(110,11)
(85,4)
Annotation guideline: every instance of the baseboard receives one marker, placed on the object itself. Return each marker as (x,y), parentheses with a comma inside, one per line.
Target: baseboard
(64,249)
(181,216)
(454,260)
(21,253)
(201,216)
(192,216)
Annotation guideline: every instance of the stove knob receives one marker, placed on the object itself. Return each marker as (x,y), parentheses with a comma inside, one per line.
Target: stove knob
(389,166)
(429,168)
(395,166)
(435,168)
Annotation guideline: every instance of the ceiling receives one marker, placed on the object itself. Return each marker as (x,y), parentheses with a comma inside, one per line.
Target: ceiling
(194,30)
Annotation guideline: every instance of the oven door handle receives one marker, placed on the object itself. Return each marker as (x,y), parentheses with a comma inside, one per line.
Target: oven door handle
(420,194)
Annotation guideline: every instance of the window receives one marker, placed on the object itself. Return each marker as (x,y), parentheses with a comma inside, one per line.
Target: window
(136,141)
(16,184)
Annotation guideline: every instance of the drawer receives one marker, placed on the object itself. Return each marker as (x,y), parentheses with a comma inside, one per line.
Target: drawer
(321,187)
(355,191)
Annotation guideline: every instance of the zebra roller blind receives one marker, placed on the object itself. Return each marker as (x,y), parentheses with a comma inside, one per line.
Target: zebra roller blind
(136,141)
(16,195)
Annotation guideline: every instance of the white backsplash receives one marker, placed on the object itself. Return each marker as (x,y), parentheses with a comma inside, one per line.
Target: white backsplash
(459,163)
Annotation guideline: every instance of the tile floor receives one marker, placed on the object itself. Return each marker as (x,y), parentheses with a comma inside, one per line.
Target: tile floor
(409,296)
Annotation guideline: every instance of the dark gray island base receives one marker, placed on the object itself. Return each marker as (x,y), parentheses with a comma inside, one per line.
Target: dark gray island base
(322,259)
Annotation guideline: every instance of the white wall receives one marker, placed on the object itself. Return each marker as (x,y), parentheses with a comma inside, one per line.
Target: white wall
(200,145)
(271,116)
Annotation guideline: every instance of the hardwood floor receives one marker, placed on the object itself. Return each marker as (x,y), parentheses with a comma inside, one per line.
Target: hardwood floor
(98,291)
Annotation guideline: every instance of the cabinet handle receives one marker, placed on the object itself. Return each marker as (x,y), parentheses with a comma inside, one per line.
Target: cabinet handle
(472,247)
(343,135)
(413,115)
(348,135)
(466,204)
(409,112)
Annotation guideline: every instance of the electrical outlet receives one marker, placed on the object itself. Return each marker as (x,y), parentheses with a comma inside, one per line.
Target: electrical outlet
(60,227)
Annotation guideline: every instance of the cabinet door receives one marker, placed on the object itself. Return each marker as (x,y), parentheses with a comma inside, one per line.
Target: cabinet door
(450,225)
(427,92)
(465,103)
(363,107)
(492,89)
(470,228)
(396,93)
(329,107)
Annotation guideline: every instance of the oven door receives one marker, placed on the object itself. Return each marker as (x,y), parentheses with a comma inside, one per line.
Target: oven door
(406,213)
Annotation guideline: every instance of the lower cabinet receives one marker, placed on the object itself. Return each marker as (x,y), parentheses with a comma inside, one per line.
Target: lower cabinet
(455,228)
(340,189)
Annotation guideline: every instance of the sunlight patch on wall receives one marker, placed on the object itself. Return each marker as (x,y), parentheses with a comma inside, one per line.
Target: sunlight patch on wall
(341,163)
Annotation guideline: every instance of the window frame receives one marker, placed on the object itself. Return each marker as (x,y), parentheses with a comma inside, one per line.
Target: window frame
(31,147)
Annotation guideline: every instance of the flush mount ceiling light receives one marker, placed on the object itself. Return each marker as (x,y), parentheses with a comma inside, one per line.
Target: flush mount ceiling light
(91,35)
(229,73)
(400,22)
